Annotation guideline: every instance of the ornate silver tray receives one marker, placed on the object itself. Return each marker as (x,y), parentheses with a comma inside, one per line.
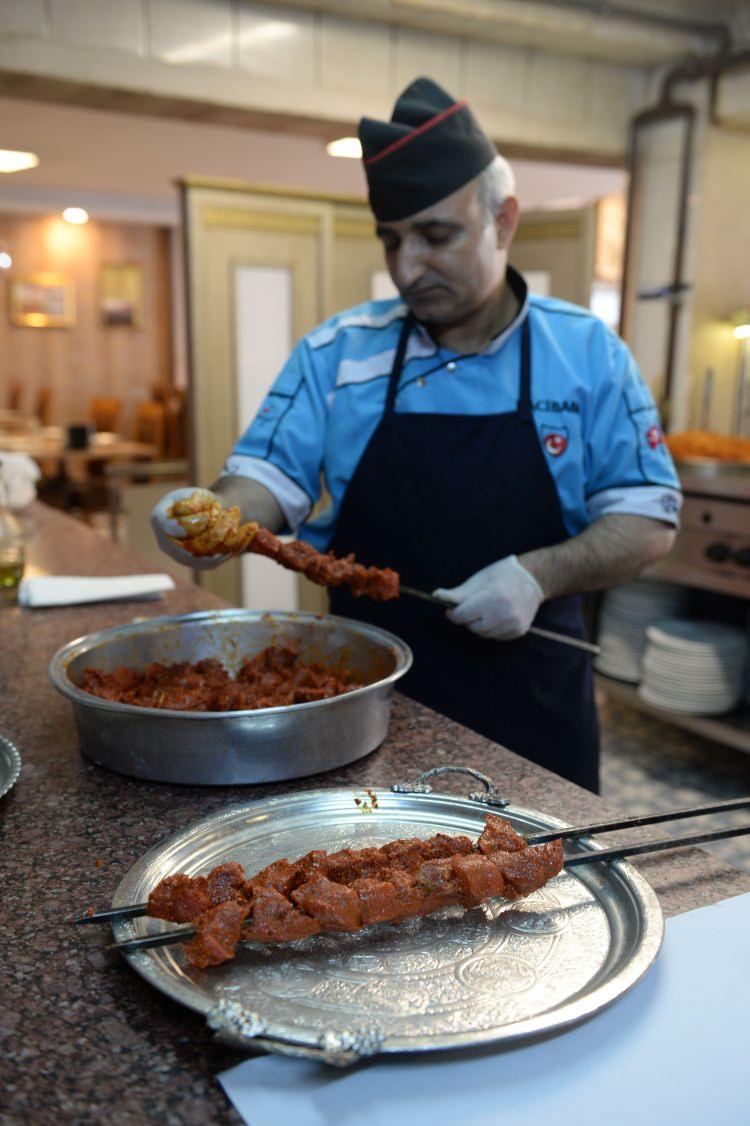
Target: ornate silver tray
(451,980)
(10,765)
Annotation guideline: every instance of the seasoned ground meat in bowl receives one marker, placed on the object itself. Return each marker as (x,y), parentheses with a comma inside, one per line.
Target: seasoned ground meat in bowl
(331,678)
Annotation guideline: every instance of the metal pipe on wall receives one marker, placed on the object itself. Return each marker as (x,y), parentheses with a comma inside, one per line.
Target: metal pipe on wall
(690,70)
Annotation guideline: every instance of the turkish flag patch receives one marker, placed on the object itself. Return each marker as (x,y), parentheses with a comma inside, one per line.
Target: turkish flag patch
(555,441)
(654,436)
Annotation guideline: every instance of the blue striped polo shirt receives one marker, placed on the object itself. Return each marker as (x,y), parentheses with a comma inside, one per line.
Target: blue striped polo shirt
(595,417)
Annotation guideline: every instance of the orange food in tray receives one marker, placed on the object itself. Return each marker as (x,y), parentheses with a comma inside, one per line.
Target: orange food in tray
(705,443)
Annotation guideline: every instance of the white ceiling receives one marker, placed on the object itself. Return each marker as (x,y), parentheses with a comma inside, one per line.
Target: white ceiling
(123,166)
(640,32)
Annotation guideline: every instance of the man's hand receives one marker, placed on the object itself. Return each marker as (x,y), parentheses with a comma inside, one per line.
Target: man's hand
(168,530)
(500,601)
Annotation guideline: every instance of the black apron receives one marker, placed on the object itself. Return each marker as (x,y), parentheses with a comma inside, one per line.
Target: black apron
(438,497)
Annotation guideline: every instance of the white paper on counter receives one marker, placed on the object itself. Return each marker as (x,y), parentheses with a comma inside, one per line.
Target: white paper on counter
(72,590)
(672,1050)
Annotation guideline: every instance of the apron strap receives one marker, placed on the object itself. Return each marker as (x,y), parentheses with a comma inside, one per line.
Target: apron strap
(398,363)
(524,390)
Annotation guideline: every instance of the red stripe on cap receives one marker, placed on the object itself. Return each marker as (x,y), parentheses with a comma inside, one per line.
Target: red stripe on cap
(416,132)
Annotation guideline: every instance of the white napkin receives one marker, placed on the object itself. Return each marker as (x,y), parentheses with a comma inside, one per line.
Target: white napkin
(673,1049)
(19,475)
(68,590)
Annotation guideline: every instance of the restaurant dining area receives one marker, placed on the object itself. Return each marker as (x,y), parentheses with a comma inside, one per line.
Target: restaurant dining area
(374,562)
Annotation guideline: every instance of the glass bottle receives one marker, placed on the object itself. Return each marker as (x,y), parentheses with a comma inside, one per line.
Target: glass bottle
(11,549)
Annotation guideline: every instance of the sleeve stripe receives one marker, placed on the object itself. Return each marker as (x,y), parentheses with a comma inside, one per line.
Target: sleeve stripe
(292,500)
(659,502)
(619,485)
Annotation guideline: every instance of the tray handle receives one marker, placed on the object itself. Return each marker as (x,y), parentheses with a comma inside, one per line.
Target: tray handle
(240,1028)
(491,796)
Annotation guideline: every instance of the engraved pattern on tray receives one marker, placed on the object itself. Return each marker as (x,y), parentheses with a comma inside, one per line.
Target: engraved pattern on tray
(484,967)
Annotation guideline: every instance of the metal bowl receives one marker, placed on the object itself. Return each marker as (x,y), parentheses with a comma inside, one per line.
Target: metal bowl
(219,748)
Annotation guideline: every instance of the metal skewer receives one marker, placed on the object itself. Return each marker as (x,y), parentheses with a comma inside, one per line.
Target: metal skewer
(551,635)
(653,846)
(599,857)
(167,938)
(137,909)
(637,822)
(112,914)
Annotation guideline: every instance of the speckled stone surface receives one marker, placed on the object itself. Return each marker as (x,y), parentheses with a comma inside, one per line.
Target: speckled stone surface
(82,1037)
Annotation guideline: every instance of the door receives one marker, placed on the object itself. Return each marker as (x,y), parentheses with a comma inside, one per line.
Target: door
(264,268)
(560,245)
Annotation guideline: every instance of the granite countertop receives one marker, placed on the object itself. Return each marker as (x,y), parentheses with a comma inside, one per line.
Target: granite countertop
(84,1038)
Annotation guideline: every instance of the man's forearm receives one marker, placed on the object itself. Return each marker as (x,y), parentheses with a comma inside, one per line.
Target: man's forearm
(611,550)
(254,501)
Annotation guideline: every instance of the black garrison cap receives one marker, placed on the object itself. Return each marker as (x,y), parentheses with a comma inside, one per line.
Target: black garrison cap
(430,148)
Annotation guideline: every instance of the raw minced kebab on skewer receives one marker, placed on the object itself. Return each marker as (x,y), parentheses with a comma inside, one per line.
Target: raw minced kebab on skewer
(347,890)
(213,530)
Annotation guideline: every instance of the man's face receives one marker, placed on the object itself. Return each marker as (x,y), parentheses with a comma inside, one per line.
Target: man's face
(448,260)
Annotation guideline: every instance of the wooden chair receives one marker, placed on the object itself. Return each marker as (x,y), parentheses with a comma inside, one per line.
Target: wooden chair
(150,425)
(44,406)
(175,426)
(15,396)
(104,412)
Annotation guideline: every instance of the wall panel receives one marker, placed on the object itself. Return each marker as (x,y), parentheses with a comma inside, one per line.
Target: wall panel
(88,358)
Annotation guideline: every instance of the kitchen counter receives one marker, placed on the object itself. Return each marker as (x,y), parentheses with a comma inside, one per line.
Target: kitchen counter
(84,1038)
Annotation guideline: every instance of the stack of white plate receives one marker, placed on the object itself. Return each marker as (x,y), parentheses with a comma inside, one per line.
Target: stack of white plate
(625,613)
(692,666)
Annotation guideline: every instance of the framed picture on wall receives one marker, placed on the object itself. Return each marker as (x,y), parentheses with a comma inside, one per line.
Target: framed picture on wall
(42,301)
(121,294)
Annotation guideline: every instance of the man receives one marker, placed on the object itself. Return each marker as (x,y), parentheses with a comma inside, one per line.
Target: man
(499,447)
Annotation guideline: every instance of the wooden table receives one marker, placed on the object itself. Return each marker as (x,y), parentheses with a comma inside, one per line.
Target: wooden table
(85,1039)
(44,447)
(15,421)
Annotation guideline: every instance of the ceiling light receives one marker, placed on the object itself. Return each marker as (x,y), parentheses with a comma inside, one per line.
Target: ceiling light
(75,215)
(5,260)
(740,322)
(11,160)
(345,146)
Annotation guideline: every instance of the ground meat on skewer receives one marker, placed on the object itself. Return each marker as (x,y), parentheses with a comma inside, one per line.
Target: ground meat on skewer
(277,919)
(214,530)
(378,901)
(335,906)
(281,876)
(181,898)
(528,869)
(478,877)
(219,931)
(379,583)
(225,882)
(499,835)
(344,891)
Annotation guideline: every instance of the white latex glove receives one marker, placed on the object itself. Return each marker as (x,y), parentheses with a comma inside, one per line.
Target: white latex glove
(164,527)
(500,601)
